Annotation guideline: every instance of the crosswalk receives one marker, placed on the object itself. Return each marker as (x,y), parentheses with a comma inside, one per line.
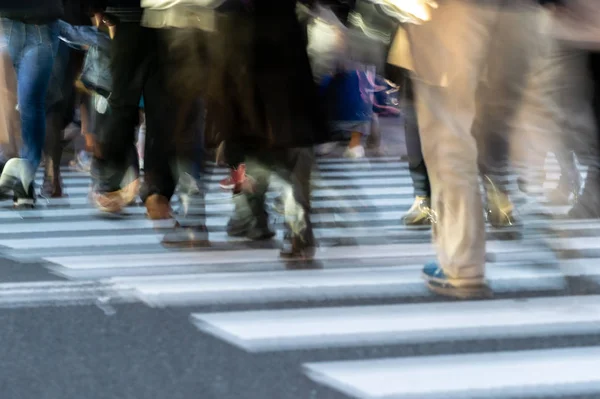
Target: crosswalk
(537,338)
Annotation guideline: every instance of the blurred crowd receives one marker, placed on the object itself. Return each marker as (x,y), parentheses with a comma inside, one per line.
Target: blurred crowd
(148,92)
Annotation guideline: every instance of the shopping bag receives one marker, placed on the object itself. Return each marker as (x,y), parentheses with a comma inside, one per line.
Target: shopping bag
(386,100)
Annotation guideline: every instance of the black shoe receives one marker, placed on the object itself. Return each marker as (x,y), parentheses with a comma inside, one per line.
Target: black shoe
(24,199)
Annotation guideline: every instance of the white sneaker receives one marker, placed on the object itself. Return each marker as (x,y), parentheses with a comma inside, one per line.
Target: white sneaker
(355,152)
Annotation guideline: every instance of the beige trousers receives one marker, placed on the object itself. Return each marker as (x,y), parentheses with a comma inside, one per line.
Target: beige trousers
(469,58)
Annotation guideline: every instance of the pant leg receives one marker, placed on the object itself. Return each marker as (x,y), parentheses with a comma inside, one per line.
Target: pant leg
(182,55)
(557,114)
(416,162)
(448,54)
(129,55)
(589,198)
(53,144)
(295,166)
(514,44)
(159,151)
(32,49)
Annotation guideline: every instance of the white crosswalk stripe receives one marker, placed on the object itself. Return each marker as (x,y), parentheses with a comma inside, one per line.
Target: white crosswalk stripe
(366,255)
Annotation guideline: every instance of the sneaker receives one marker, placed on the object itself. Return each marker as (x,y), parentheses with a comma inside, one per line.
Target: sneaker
(420,213)
(468,288)
(17,180)
(236,178)
(24,199)
(357,152)
(111,202)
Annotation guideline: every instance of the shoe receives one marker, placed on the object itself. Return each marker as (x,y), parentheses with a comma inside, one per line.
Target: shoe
(17,182)
(420,213)
(24,199)
(115,201)
(245,223)
(357,152)
(469,288)
(236,178)
(298,246)
(130,192)
(51,188)
(158,207)
(499,209)
(110,202)
(190,230)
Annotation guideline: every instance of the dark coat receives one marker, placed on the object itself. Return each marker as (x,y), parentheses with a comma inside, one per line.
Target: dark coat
(32,11)
(261,91)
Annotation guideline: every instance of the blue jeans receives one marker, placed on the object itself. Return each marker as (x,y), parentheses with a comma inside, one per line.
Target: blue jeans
(32,49)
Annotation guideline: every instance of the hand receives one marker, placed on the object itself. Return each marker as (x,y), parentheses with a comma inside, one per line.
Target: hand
(97,19)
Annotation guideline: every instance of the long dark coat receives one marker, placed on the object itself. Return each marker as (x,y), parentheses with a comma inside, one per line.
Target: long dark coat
(261,91)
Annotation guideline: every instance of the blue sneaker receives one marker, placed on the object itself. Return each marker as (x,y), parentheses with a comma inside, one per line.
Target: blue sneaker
(437,281)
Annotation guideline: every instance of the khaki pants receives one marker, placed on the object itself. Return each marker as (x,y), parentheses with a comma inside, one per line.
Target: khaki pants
(470,68)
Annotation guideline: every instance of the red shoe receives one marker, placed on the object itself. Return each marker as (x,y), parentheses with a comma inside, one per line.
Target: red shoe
(236,178)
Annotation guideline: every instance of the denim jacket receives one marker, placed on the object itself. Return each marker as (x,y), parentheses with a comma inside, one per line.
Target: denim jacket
(80,38)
